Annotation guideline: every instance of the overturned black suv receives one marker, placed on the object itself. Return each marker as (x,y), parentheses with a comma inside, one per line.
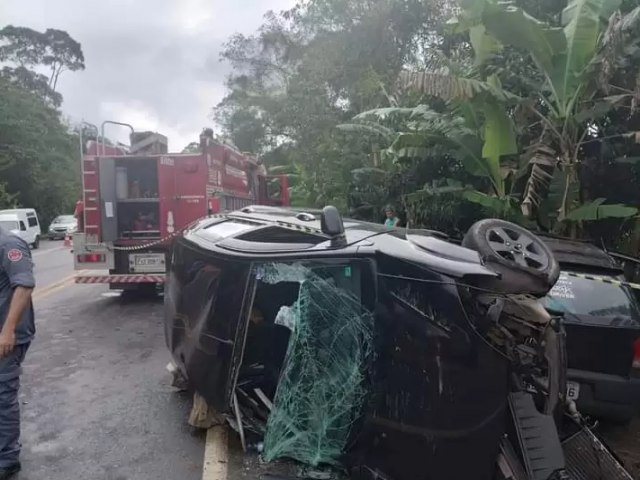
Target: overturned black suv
(382,354)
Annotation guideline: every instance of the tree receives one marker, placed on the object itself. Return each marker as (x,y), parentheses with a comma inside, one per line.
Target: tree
(313,67)
(193,147)
(61,53)
(38,156)
(27,49)
(555,124)
(573,60)
(455,118)
(34,82)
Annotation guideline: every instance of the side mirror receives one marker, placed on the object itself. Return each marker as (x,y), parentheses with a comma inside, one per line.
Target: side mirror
(332,226)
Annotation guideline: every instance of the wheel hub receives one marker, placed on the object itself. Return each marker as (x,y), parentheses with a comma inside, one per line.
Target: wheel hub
(517,247)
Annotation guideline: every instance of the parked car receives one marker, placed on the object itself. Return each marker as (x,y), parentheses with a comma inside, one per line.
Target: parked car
(61,226)
(24,223)
(602,322)
(390,354)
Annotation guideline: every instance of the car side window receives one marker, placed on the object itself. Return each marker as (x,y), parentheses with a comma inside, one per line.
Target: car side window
(33,221)
(22,226)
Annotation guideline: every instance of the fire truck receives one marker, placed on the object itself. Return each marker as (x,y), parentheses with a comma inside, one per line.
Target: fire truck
(136,199)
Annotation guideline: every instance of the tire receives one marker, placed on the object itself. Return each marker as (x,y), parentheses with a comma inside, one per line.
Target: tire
(36,244)
(525,263)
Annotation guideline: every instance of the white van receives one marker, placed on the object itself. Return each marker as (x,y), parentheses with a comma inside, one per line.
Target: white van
(22,222)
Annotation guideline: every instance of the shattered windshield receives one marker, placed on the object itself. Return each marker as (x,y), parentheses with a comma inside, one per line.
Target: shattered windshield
(313,375)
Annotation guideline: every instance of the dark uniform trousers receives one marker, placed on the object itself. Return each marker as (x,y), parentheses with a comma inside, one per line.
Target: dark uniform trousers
(9,406)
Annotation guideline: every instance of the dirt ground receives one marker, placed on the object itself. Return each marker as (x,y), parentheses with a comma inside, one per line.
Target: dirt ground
(625,442)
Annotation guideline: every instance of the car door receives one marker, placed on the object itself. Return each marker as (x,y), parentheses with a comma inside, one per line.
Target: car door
(442,389)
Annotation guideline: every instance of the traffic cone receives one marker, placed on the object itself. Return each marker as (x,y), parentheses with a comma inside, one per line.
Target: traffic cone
(67,241)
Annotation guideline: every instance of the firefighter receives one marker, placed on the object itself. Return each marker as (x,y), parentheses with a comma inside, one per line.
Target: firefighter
(79,214)
(17,328)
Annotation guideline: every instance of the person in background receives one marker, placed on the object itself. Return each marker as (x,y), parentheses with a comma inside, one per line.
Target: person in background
(392,220)
(79,214)
(262,170)
(143,222)
(17,329)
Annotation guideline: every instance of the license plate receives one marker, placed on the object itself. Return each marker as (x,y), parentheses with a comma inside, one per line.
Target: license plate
(573,390)
(147,262)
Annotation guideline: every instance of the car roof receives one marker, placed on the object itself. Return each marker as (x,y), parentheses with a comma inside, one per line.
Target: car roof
(17,211)
(579,254)
(261,232)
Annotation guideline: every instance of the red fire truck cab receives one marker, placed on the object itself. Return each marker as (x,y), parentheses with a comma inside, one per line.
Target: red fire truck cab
(136,201)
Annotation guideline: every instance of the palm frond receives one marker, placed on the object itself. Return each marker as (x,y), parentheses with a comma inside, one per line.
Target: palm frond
(597,210)
(420,111)
(451,87)
(617,44)
(542,160)
(369,128)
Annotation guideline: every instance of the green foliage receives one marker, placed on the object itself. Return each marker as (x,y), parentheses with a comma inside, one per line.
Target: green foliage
(566,57)
(508,106)
(34,82)
(53,49)
(312,68)
(7,200)
(38,157)
(597,210)
(193,147)
(39,164)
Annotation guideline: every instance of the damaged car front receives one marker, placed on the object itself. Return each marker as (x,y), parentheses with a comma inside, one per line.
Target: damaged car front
(377,354)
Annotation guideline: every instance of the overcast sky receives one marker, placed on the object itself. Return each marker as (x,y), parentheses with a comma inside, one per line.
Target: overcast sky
(151,63)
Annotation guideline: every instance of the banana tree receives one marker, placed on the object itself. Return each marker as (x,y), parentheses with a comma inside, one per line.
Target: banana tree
(475,143)
(570,58)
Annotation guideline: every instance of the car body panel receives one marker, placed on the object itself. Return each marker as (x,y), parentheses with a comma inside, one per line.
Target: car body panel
(602,321)
(436,386)
(439,388)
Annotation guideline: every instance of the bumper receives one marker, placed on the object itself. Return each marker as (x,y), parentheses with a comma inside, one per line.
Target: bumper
(605,396)
(120,279)
(57,235)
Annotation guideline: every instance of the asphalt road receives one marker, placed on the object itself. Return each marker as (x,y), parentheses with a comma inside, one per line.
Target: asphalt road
(95,398)
(52,262)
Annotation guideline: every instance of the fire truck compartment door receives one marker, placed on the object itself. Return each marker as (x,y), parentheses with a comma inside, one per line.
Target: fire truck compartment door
(108,199)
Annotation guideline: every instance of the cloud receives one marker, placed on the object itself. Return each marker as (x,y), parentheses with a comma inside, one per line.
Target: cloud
(148,62)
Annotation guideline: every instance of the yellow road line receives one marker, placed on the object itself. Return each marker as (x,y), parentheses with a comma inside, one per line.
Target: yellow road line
(39,253)
(216,451)
(41,295)
(43,292)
